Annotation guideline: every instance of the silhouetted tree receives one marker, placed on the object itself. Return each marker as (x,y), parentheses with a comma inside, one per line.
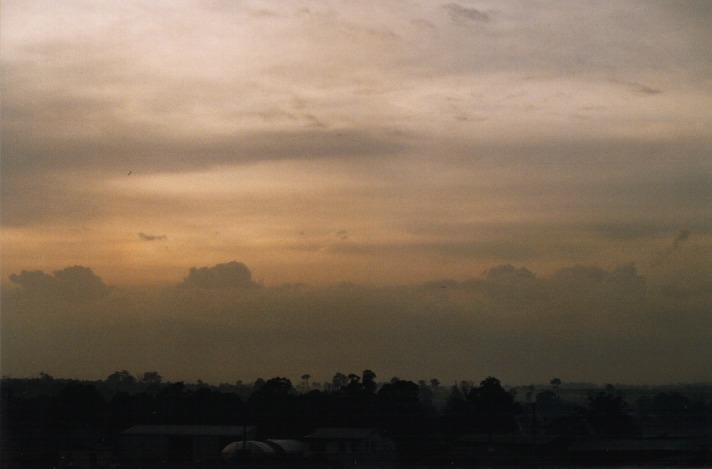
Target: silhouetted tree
(493,407)
(151,378)
(368,379)
(80,408)
(119,381)
(305,378)
(339,380)
(457,415)
(405,419)
(607,413)
(434,384)
(273,408)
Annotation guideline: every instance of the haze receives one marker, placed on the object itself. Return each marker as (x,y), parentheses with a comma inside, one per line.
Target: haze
(520,189)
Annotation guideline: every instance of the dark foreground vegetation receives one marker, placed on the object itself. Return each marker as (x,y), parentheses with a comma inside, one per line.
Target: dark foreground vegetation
(127,421)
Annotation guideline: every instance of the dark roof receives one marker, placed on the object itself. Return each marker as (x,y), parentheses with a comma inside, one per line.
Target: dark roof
(187,430)
(512,438)
(638,444)
(253,447)
(341,433)
(287,446)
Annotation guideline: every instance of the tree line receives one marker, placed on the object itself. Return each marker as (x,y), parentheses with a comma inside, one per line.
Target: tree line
(42,414)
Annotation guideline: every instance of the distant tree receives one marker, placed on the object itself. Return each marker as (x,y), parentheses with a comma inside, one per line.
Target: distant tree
(547,398)
(494,407)
(120,381)
(273,408)
(530,392)
(457,415)
(607,413)
(399,408)
(434,384)
(425,393)
(151,378)
(368,379)
(339,380)
(466,386)
(80,406)
(277,386)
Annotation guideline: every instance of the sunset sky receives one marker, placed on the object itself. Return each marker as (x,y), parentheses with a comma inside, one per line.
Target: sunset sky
(515,188)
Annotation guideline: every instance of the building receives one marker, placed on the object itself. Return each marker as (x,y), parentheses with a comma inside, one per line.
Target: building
(178,443)
(349,445)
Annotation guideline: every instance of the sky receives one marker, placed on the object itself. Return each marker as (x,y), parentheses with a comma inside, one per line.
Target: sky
(222,189)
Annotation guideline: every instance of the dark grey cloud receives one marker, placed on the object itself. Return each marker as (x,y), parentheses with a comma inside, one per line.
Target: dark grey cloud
(73,284)
(148,152)
(582,322)
(221,276)
(463,14)
(149,237)
(640,88)
(680,238)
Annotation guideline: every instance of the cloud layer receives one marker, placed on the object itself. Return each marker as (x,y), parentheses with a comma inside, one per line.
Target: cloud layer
(581,323)
(384,144)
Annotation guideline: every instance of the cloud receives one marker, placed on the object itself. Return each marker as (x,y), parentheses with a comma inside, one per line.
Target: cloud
(439,150)
(459,13)
(73,284)
(681,237)
(221,276)
(640,88)
(137,148)
(582,322)
(148,237)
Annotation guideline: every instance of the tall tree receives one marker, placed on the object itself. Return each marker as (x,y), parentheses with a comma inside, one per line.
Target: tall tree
(494,408)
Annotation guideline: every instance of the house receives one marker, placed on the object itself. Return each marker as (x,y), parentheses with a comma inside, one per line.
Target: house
(349,445)
(514,448)
(83,448)
(178,443)
(694,450)
(85,457)
(273,450)
(287,449)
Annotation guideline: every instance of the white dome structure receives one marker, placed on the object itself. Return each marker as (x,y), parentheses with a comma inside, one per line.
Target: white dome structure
(252,448)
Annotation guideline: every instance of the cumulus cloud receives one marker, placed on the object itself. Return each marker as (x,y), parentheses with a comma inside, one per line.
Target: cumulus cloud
(582,322)
(221,276)
(75,283)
